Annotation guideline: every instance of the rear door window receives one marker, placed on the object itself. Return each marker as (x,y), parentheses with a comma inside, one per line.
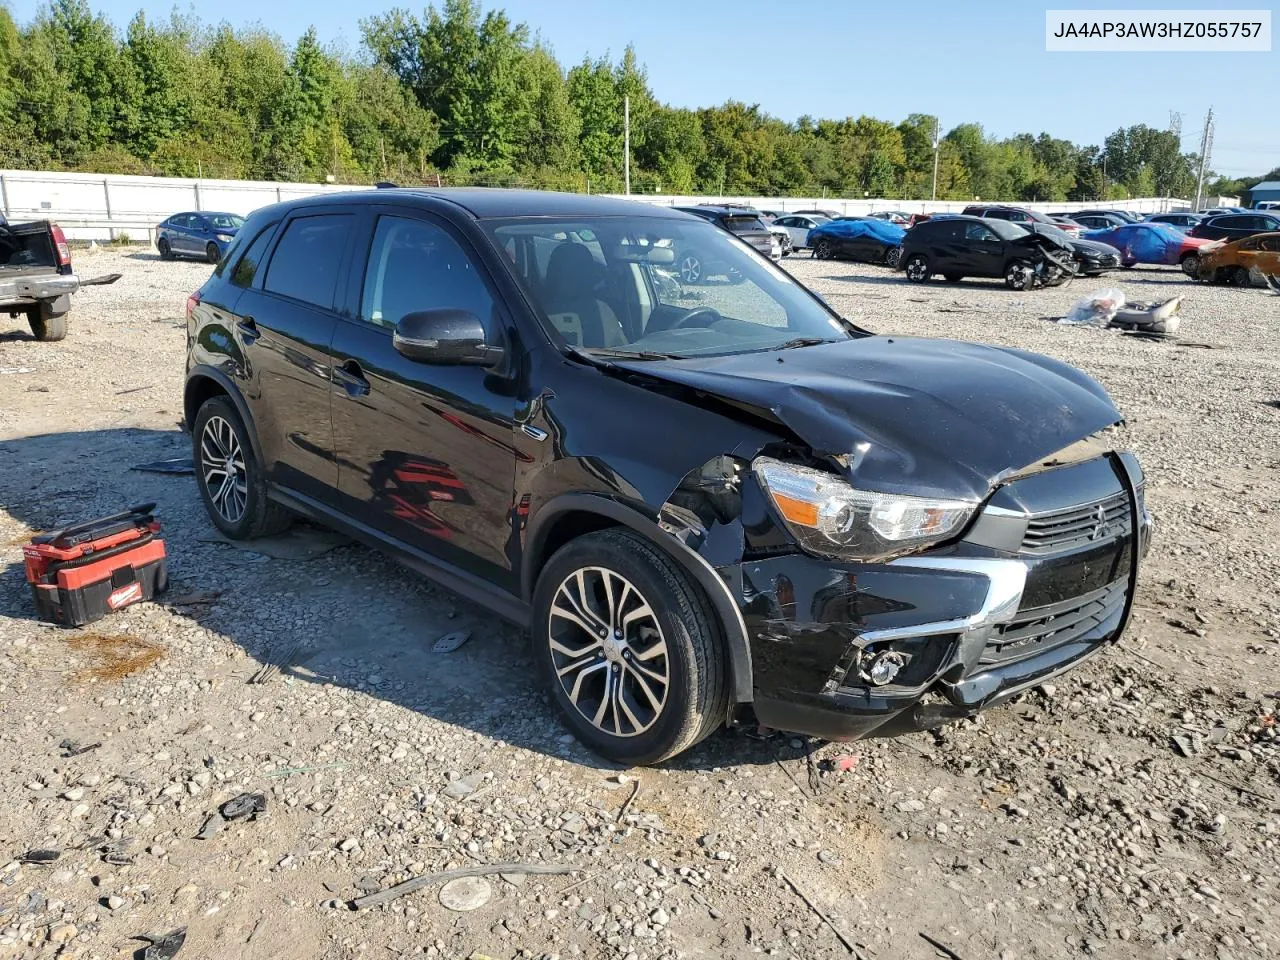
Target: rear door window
(306,260)
(246,268)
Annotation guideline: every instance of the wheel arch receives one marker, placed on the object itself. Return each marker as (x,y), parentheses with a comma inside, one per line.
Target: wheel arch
(571,515)
(204,383)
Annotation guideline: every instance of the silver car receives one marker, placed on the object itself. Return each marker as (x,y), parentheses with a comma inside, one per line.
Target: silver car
(798,227)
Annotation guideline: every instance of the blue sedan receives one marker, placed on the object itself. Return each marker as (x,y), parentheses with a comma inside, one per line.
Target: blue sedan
(197,234)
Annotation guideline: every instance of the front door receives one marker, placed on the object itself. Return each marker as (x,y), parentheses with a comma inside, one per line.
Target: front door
(425,451)
(285,321)
(983,251)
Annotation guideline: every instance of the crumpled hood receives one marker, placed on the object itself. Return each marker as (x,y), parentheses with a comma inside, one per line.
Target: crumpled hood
(941,417)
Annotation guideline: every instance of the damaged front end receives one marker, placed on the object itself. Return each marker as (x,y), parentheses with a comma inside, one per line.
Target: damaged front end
(966,577)
(1052,263)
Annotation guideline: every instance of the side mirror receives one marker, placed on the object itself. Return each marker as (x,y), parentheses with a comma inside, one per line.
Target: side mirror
(444,336)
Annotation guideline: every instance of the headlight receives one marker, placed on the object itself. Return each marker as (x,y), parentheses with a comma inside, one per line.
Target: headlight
(225,237)
(827,516)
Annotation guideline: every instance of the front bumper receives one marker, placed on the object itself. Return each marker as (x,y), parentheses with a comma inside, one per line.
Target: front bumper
(974,624)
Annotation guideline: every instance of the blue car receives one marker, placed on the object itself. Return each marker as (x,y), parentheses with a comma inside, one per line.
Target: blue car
(197,234)
(858,238)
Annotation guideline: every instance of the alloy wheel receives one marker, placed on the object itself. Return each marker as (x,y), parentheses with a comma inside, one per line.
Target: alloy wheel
(608,651)
(1191,265)
(917,269)
(823,251)
(892,256)
(223,468)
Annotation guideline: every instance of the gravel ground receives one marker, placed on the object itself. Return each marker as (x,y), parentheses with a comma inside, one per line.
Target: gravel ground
(1130,809)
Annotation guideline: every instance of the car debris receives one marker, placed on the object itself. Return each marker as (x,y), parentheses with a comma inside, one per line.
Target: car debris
(245,805)
(71,748)
(451,641)
(40,857)
(483,870)
(165,947)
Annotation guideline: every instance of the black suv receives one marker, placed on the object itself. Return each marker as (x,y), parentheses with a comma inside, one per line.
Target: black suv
(695,264)
(694,498)
(963,246)
(1235,226)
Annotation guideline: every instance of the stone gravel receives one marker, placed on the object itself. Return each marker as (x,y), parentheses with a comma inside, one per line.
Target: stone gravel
(1129,809)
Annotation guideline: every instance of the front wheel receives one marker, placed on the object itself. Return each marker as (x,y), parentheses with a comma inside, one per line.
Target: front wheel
(630,648)
(1019,275)
(1190,264)
(917,268)
(212,253)
(232,483)
(1239,277)
(824,249)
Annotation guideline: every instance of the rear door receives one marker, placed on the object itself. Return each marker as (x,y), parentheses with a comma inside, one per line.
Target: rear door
(425,451)
(284,323)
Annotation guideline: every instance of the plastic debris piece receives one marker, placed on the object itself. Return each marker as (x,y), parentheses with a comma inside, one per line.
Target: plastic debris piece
(465,893)
(40,856)
(178,465)
(167,947)
(70,748)
(846,762)
(1097,309)
(212,827)
(451,641)
(245,805)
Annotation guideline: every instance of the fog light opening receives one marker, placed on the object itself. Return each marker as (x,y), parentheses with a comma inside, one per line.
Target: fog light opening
(883,667)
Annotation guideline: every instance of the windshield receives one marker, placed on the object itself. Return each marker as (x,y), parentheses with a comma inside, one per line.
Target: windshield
(1006,229)
(225,221)
(645,285)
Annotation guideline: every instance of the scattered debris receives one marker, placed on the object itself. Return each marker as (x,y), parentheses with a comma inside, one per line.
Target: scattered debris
(40,856)
(1096,309)
(114,656)
(1149,318)
(451,641)
(465,894)
(626,804)
(941,947)
(846,762)
(167,946)
(246,805)
(268,669)
(178,465)
(70,748)
(822,916)
(430,879)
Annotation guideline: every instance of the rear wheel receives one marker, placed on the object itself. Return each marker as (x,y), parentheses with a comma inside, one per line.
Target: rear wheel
(46,326)
(892,256)
(1190,264)
(917,268)
(212,253)
(166,252)
(1019,275)
(232,483)
(629,647)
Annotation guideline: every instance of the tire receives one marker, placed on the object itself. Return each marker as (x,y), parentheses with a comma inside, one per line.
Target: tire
(1019,275)
(690,267)
(953,277)
(166,252)
(212,253)
(892,256)
(637,726)
(824,249)
(1190,264)
(917,268)
(46,326)
(241,511)
(1239,277)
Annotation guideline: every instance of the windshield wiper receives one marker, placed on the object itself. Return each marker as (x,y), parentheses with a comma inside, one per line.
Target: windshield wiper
(802,342)
(631,354)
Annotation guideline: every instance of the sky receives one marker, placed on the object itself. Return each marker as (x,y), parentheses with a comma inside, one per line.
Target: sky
(980,62)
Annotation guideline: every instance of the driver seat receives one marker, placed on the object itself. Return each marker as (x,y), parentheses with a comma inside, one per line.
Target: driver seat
(581,317)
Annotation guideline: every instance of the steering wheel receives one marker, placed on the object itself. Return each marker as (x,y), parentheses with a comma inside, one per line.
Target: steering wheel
(711,315)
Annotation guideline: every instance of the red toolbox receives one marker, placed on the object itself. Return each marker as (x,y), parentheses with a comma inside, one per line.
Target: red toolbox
(84,572)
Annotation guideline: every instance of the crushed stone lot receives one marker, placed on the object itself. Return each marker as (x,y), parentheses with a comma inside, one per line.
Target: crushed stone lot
(1129,809)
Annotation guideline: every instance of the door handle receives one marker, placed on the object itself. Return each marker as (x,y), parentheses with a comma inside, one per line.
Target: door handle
(248,329)
(352,378)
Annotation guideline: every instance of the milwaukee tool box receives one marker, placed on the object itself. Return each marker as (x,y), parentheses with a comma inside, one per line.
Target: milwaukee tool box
(84,572)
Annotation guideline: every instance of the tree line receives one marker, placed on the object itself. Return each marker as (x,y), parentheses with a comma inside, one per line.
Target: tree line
(460,95)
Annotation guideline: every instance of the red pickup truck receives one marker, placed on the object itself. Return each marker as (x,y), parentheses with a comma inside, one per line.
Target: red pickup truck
(36,279)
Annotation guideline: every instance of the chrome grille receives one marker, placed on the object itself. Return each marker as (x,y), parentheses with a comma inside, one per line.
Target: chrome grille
(1038,629)
(1079,525)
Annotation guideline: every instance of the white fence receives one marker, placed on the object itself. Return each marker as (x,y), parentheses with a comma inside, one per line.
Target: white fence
(103,207)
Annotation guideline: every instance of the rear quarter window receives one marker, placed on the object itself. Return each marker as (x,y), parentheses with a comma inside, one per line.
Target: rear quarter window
(306,260)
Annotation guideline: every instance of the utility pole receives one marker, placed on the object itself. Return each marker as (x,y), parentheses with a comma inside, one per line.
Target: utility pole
(626,141)
(1206,147)
(936,130)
